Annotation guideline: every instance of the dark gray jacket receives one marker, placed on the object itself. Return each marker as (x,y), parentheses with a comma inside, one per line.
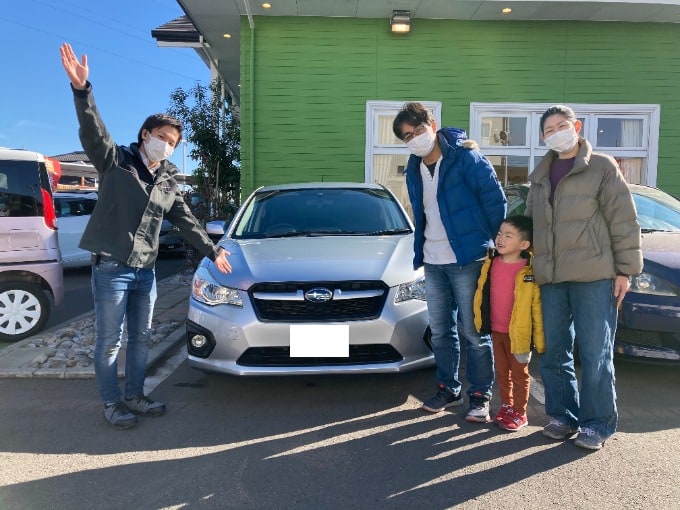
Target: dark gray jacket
(126,222)
(591,233)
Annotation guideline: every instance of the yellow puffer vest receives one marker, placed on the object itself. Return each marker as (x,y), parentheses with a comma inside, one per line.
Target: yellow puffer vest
(526,321)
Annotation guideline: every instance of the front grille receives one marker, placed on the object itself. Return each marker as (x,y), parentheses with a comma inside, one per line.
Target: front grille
(280,357)
(285,302)
(662,339)
(638,337)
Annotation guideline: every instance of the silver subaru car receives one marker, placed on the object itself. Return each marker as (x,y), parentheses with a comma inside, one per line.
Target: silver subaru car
(322,282)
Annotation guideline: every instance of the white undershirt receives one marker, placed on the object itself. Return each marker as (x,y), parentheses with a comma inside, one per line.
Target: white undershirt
(437,249)
(152,168)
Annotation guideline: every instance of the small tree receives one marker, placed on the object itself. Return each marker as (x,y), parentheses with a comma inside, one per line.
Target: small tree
(213,130)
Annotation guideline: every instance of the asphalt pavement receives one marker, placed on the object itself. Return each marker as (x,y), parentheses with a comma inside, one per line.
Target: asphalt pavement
(315,442)
(172,305)
(325,443)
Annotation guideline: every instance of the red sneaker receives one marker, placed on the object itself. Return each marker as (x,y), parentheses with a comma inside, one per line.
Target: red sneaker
(504,411)
(513,421)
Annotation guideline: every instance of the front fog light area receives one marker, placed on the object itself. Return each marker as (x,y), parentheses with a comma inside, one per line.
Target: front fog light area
(200,342)
(411,290)
(206,290)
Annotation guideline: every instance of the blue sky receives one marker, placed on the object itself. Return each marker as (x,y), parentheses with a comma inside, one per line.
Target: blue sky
(131,76)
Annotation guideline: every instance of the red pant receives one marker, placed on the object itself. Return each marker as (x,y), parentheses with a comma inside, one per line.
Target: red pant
(512,376)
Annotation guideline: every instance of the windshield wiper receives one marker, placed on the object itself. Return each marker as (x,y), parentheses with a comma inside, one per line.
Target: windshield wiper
(651,230)
(292,233)
(388,232)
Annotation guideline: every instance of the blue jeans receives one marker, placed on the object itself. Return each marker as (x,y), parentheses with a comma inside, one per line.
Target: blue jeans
(450,291)
(587,312)
(119,292)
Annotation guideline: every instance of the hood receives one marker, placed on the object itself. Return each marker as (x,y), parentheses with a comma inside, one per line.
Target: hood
(332,258)
(451,138)
(662,248)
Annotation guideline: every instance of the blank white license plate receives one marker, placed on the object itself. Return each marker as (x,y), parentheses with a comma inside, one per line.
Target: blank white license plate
(312,341)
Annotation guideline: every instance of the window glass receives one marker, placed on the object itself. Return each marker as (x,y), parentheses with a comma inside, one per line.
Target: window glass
(618,132)
(20,190)
(385,135)
(632,169)
(657,211)
(504,131)
(73,206)
(386,155)
(320,211)
(517,199)
(388,170)
(510,169)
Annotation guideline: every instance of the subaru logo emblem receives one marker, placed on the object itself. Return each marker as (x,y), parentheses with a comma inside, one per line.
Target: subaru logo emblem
(319,295)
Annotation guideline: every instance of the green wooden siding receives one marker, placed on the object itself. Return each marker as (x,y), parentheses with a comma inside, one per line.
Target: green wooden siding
(313,76)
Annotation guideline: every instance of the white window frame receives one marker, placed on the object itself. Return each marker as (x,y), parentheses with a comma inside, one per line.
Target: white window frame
(375,108)
(650,114)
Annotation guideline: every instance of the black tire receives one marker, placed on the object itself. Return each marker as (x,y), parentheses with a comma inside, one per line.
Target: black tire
(24,310)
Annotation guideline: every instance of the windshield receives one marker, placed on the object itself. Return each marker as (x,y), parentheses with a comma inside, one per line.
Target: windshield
(321,211)
(657,210)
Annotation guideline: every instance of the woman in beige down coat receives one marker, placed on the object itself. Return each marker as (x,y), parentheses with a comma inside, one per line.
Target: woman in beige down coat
(586,245)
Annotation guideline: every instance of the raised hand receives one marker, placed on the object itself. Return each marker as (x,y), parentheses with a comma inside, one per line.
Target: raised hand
(76,71)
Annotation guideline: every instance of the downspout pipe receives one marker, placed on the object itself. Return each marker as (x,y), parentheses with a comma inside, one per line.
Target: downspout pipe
(251,97)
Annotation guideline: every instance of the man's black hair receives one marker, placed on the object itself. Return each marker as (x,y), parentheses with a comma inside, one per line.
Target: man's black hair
(413,114)
(158,120)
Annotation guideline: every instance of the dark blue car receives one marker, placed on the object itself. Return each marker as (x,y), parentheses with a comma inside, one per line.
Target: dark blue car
(649,320)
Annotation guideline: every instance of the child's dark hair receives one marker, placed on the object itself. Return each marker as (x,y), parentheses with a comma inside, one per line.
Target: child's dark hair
(523,224)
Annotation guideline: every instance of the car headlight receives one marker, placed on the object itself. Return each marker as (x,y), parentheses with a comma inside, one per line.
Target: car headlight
(206,290)
(411,290)
(646,283)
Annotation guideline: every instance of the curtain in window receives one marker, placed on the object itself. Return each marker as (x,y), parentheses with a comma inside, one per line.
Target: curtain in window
(631,133)
(631,168)
(631,136)
(386,171)
(381,169)
(385,134)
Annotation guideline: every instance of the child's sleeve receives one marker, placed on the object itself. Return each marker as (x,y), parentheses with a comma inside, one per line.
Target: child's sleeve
(480,301)
(537,320)
(477,302)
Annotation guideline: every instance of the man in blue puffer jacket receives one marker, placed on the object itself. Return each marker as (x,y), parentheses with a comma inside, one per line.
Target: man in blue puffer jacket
(458,206)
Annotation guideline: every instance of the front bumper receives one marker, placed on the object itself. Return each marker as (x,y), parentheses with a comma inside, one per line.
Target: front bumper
(649,329)
(397,341)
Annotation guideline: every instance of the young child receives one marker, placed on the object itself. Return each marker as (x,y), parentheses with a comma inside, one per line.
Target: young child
(508,304)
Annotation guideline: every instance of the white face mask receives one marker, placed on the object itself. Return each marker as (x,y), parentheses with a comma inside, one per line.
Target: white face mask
(562,141)
(422,144)
(156,149)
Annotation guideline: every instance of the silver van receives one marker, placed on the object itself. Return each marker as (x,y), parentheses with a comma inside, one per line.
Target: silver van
(31,272)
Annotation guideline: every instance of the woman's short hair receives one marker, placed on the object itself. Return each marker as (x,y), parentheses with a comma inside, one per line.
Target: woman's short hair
(558,109)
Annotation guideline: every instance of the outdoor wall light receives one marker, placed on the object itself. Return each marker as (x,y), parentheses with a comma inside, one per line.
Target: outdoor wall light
(400,21)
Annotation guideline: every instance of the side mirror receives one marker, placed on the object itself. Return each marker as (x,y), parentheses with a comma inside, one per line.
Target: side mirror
(215,229)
